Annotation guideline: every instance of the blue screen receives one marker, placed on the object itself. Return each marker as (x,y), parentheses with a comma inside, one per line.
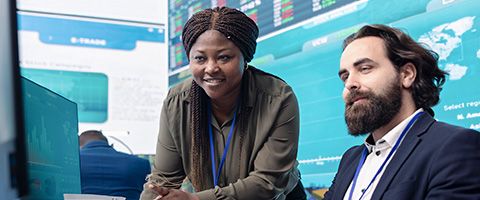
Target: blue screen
(51,127)
(311,67)
(305,52)
(92,98)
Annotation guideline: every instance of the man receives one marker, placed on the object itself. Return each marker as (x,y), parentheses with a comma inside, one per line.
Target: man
(109,172)
(391,83)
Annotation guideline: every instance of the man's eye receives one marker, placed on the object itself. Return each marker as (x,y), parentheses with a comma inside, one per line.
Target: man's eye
(365,68)
(344,77)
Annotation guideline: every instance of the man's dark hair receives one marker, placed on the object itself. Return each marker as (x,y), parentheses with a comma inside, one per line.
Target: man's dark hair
(91,135)
(243,32)
(402,49)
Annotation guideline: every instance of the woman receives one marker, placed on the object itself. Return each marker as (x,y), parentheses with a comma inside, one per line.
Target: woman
(233,129)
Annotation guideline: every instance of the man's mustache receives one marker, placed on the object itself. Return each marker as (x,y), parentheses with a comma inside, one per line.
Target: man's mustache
(356,95)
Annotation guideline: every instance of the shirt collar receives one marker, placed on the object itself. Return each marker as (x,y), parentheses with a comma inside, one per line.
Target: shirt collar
(95,143)
(389,139)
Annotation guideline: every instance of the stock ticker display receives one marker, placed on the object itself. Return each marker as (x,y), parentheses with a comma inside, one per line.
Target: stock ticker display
(271,16)
(300,41)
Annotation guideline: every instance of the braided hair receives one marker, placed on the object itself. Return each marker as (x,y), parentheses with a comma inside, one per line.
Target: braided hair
(232,23)
(243,32)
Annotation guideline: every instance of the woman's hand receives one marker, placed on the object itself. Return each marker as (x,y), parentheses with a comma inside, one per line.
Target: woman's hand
(171,194)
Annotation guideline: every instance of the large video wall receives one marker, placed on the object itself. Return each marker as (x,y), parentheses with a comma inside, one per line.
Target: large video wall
(110,59)
(300,41)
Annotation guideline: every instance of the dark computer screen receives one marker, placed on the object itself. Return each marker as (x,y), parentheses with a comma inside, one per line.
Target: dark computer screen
(51,126)
(12,149)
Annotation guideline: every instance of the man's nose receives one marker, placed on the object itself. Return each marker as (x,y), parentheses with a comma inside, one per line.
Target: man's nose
(351,83)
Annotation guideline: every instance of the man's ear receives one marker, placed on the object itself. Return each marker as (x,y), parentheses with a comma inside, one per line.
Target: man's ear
(408,73)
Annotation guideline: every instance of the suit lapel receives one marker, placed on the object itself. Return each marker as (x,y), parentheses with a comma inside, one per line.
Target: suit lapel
(346,177)
(411,140)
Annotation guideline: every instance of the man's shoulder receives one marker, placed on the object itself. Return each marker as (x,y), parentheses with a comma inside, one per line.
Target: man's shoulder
(113,154)
(131,157)
(354,149)
(444,131)
(351,154)
(448,126)
(441,136)
(133,161)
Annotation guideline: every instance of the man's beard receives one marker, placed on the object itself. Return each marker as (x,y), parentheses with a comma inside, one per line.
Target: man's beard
(375,112)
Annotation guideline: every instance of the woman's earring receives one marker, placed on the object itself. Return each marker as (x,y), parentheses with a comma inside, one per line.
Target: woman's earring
(246,67)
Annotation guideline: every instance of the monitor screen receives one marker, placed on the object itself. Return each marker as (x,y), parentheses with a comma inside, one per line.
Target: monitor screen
(51,126)
(12,150)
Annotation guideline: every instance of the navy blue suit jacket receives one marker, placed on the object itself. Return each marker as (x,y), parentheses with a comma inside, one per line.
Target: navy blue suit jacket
(435,161)
(109,172)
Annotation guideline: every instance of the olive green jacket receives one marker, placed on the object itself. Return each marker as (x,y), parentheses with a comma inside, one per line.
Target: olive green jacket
(265,169)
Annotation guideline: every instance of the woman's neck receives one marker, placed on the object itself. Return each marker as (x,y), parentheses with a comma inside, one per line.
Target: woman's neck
(222,108)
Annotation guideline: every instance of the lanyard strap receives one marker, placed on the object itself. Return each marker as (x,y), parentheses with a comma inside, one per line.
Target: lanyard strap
(365,153)
(215,174)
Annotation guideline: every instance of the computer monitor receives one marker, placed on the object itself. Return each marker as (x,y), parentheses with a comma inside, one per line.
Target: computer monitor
(51,127)
(12,150)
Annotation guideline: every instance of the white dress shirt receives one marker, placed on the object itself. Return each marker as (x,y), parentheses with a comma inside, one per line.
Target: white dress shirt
(377,154)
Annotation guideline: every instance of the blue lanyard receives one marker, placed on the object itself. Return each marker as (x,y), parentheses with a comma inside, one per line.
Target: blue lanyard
(365,153)
(215,174)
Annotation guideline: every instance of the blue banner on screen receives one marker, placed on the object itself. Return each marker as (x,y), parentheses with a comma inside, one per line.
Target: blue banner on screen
(89,33)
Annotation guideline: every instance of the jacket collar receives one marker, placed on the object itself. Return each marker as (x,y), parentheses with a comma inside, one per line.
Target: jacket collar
(346,179)
(411,140)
